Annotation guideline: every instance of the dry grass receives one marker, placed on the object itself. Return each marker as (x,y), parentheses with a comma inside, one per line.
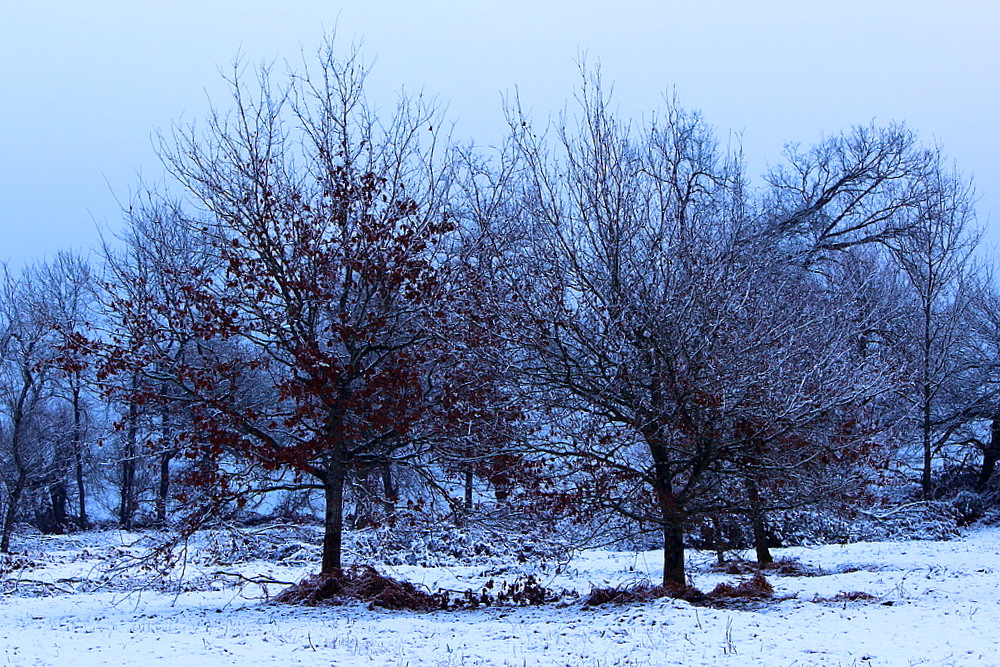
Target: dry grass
(756,587)
(641,591)
(849,596)
(785,567)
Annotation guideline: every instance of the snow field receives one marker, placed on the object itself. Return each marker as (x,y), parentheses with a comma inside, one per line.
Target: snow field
(936,603)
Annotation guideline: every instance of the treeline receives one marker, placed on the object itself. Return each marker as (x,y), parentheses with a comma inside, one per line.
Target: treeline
(596,316)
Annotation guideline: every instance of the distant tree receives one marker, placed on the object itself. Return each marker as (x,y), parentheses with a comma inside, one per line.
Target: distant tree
(935,255)
(489,238)
(27,373)
(70,290)
(972,393)
(144,273)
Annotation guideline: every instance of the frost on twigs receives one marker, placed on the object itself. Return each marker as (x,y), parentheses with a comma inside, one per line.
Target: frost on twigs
(484,538)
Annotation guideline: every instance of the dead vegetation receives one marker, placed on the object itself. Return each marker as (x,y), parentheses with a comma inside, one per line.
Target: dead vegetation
(10,563)
(362,583)
(784,567)
(757,587)
(642,591)
(753,589)
(845,597)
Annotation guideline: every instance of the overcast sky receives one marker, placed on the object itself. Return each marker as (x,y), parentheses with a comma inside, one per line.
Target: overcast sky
(87,83)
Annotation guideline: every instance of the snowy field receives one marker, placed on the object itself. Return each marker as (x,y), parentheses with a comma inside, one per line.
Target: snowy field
(932,603)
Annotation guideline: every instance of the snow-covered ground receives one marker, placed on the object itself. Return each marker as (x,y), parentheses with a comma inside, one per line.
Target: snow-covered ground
(934,603)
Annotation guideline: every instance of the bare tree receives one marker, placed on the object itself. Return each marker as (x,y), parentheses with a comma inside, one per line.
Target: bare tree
(661,319)
(825,411)
(319,336)
(27,371)
(70,306)
(935,254)
(146,272)
(852,189)
(970,397)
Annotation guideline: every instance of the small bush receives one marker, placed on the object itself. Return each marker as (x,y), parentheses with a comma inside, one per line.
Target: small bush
(969,507)
(523,591)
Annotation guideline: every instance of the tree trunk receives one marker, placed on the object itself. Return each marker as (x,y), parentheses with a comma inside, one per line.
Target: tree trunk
(163,489)
(81,493)
(717,541)
(388,486)
(127,506)
(671,518)
(469,479)
(760,541)
(672,525)
(468,490)
(926,484)
(12,503)
(759,525)
(58,498)
(14,499)
(333,524)
(673,553)
(78,456)
(991,454)
(925,427)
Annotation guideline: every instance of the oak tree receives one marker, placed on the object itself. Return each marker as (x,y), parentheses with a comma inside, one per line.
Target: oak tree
(319,324)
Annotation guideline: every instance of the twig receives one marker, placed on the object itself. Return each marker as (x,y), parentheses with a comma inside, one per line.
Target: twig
(252,580)
(895,510)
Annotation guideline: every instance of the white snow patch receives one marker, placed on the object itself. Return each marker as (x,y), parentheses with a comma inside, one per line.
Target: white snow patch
(936,603)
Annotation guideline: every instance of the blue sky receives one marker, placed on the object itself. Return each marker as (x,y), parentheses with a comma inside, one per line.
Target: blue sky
(87,83)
